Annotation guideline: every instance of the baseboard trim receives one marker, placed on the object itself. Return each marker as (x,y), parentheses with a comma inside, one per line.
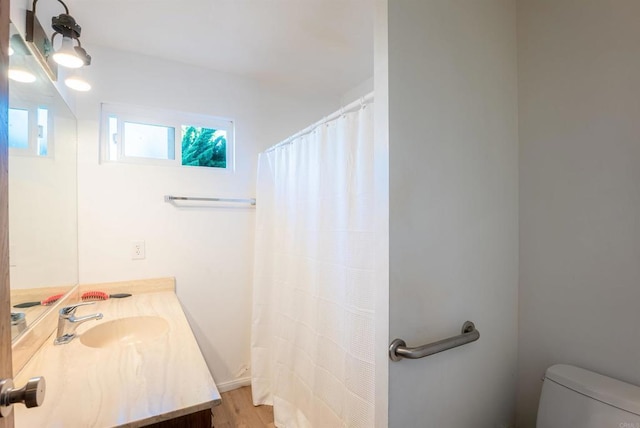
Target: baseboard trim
(234,384)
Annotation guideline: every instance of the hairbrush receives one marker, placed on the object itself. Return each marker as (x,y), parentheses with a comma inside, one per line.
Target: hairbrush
(101,295)
(46,302)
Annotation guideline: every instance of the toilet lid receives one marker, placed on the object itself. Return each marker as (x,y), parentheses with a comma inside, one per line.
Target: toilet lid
(611,391)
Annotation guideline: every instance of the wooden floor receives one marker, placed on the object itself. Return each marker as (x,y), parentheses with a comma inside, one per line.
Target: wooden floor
(237,410)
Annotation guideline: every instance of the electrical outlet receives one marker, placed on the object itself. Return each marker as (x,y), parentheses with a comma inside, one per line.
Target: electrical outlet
(243,370)
(137,250)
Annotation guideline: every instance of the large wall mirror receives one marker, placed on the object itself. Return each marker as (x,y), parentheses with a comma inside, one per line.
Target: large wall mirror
(43,244)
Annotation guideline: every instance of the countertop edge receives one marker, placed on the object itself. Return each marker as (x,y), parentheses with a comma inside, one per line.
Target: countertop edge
(172,415)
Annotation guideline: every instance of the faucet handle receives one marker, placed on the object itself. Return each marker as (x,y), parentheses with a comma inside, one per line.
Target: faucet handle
(67,311)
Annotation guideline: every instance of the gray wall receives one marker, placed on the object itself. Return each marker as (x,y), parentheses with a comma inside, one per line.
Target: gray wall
(453,208)
(579,126)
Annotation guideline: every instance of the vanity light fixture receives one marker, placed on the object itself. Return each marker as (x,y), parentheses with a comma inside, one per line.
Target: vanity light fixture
(38,40)
(68,55)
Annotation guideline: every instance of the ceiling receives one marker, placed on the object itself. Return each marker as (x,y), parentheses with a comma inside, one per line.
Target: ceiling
(310,45)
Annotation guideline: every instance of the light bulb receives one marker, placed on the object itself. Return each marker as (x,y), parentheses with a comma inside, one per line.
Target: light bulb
(21,75)
(66,56)
(11,51)
(77,83)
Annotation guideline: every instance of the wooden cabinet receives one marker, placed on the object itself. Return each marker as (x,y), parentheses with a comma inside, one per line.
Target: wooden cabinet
(201,419)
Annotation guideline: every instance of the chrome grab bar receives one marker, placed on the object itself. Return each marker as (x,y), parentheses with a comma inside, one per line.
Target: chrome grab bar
(398,348)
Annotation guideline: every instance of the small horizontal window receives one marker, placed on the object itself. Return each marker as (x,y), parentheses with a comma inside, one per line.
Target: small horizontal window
(152,136)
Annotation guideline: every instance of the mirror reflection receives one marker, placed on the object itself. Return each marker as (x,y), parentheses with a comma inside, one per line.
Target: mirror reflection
(42,189)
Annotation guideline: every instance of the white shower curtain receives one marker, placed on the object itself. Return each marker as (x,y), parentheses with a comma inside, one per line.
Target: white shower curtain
(313,299)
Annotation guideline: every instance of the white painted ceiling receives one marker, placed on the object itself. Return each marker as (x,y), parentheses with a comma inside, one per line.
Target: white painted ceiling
(311,45)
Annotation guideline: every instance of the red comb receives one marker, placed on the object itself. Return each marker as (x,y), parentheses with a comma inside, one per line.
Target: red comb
(51,300)
(94,295)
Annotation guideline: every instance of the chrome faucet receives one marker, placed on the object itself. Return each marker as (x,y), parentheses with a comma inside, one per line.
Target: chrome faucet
(68,322)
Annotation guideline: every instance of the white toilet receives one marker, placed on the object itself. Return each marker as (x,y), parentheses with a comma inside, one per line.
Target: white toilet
(574,397)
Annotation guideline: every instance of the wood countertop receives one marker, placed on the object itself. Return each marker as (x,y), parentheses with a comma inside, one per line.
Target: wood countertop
(127,385)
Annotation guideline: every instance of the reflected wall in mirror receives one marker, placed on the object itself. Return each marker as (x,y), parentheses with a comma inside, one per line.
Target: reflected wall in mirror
(42,188)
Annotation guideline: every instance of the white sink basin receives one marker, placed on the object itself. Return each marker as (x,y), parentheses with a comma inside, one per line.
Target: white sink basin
(125,331)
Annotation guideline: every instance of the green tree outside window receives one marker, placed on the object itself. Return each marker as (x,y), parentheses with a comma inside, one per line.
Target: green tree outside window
(204,147)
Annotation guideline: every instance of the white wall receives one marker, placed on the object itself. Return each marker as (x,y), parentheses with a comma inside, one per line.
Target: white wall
(209,250)
(357,91)
(381,211)
(453,208)
(579,86)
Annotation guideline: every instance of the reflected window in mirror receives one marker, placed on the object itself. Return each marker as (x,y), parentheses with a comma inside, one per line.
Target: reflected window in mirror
(30,131)
(18,128)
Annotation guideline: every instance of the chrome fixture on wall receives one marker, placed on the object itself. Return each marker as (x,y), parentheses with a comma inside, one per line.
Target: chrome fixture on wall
(70,53)
(399,349)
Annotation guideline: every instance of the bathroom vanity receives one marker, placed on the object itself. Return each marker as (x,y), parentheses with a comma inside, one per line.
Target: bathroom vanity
(138,366)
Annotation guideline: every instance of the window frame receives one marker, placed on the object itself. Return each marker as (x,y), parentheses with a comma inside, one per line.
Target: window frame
(162,118)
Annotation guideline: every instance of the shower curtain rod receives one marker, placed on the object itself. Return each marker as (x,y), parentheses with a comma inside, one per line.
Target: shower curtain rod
(354,106)
(170,199)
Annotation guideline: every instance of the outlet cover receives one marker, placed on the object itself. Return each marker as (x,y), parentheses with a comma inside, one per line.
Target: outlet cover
(137,250)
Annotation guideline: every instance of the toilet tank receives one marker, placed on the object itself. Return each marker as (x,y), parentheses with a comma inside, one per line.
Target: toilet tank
(574,397)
